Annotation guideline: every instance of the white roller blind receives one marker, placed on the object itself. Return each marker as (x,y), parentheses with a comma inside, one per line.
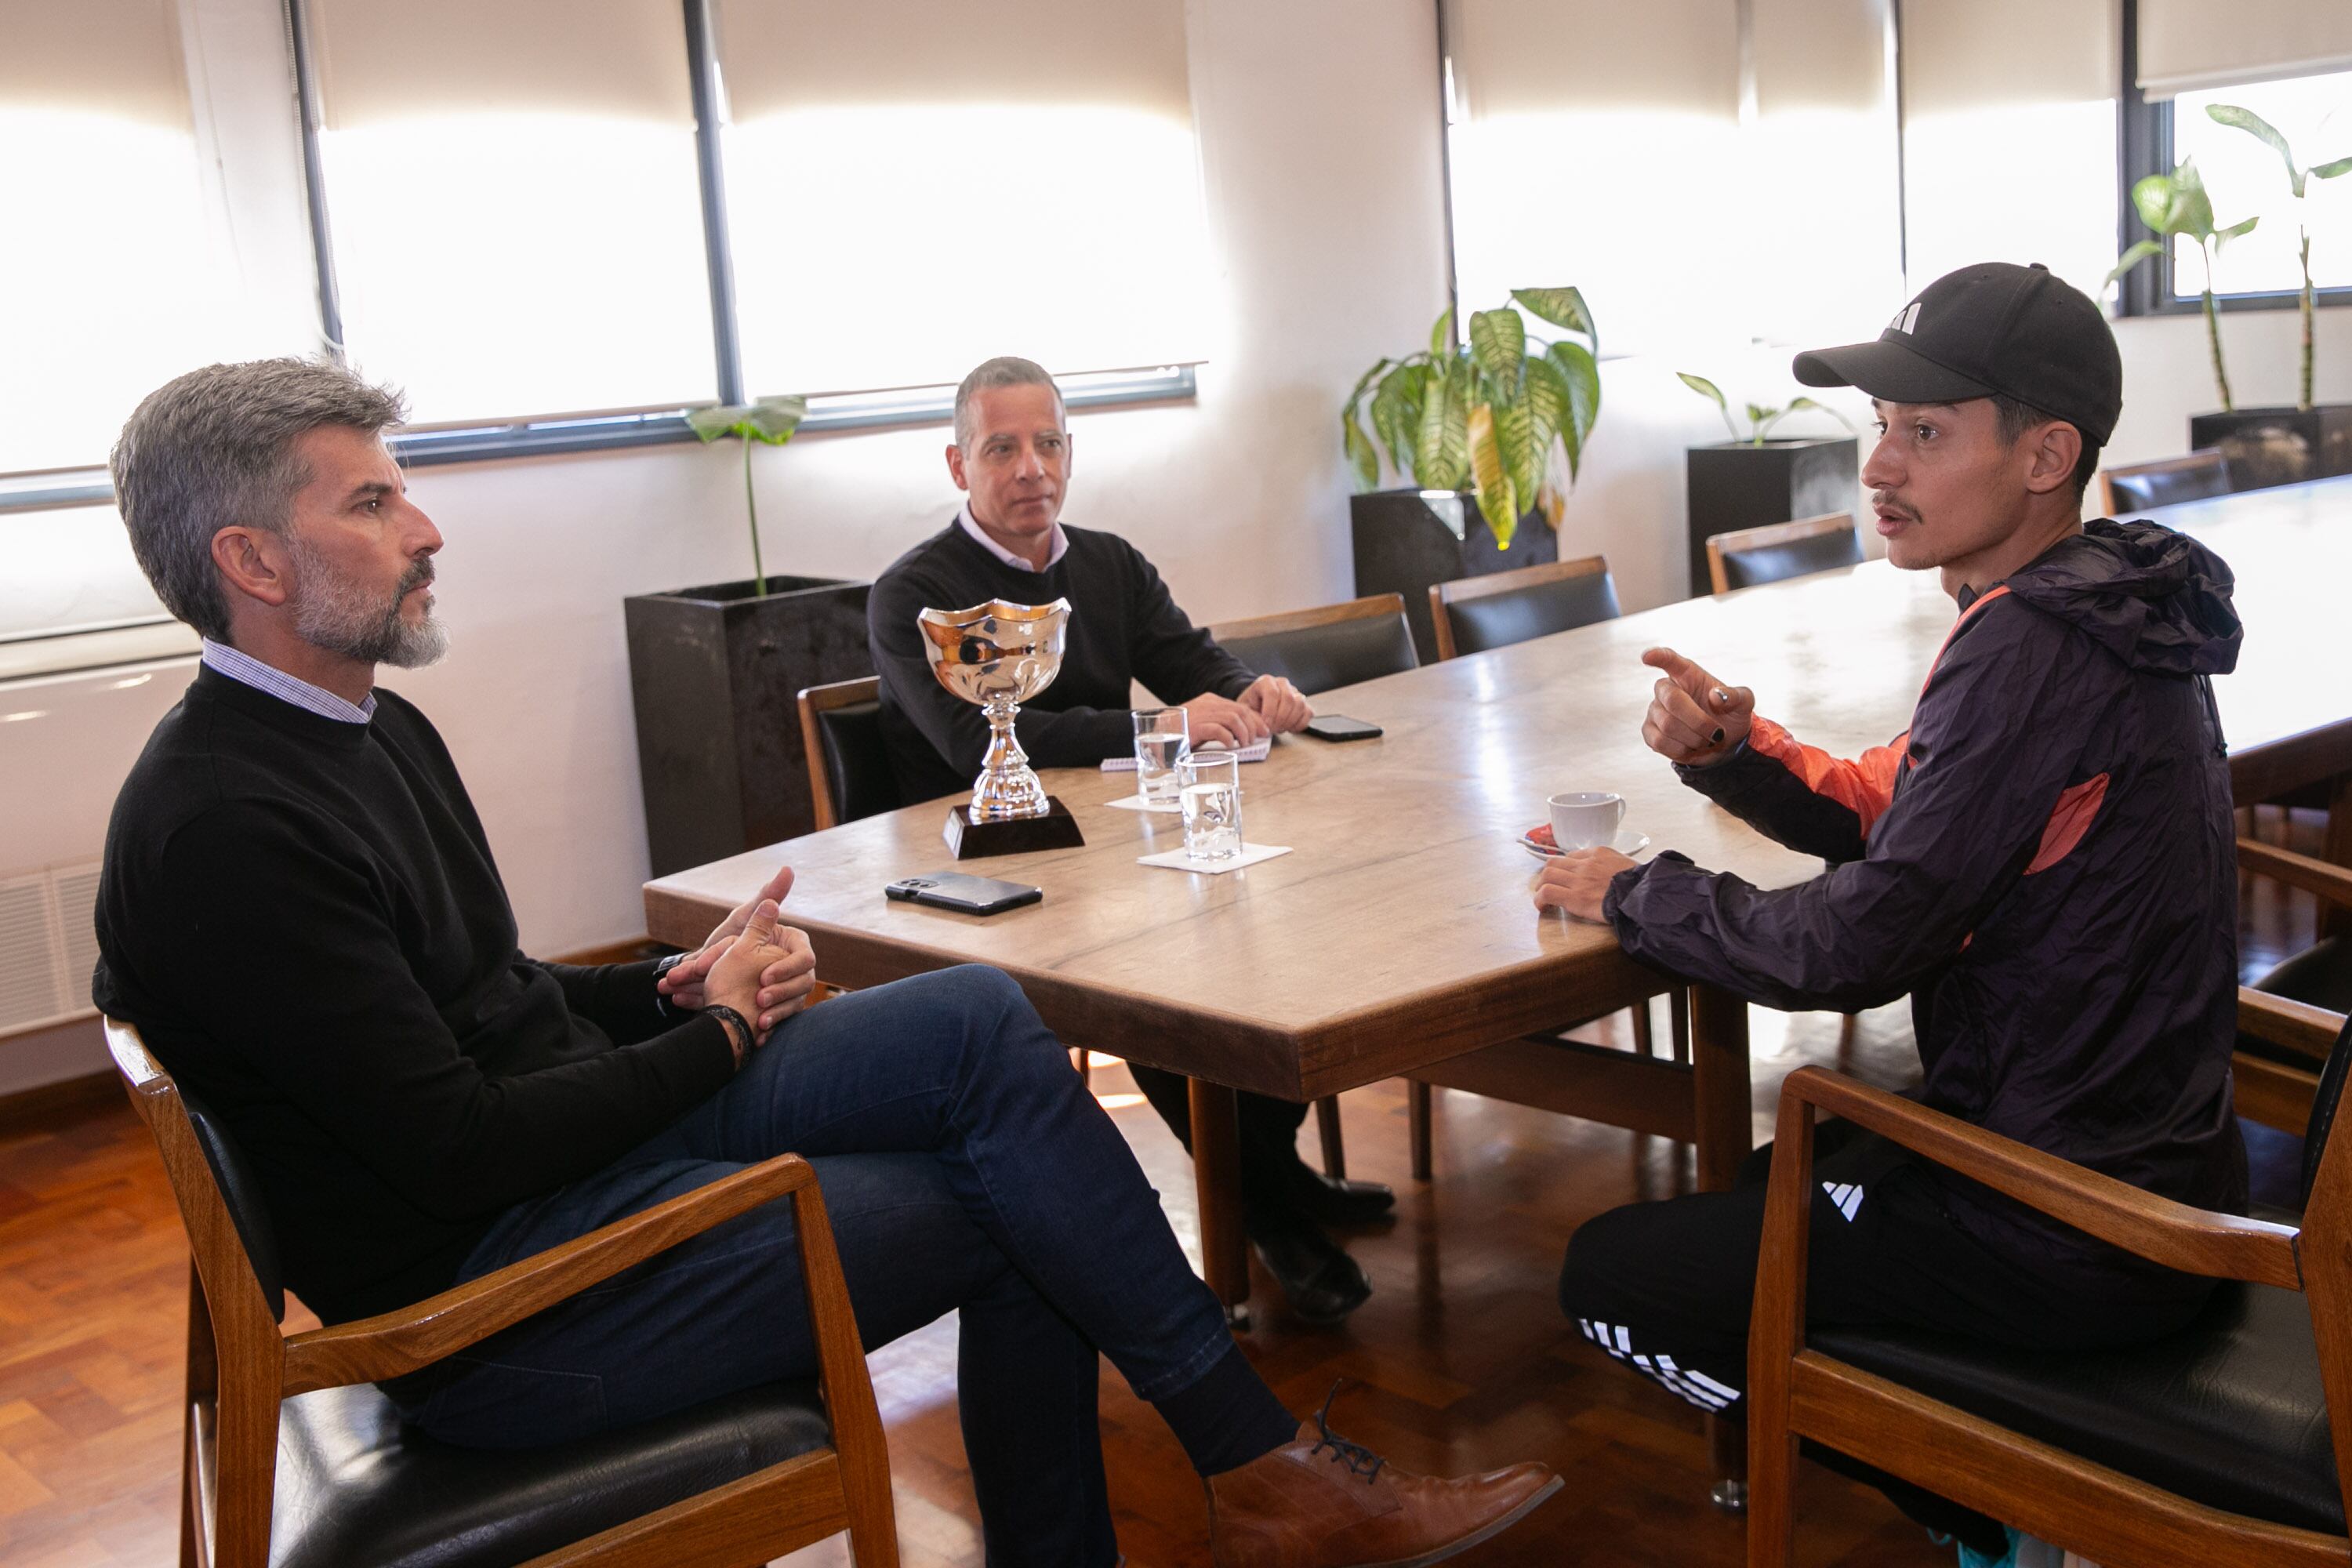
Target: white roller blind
(1820,246)
(914,187)
(1596,144)
(512,200)
(128,259)
(2010,136)
(2187,44)
(1605,145)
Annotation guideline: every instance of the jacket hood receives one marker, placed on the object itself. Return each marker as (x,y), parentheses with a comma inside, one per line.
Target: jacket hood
(2156,599)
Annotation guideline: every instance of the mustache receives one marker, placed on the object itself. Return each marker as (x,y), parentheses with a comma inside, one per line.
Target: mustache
(1885,500)
(417,575)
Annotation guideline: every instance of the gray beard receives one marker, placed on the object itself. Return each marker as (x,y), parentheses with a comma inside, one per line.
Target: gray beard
(337,615)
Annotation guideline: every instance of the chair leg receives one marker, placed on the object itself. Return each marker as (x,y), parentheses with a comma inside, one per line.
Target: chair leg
(1641,1027)
(1086,1066)
(1848,1033)
(1327,1125)
(1418,1109)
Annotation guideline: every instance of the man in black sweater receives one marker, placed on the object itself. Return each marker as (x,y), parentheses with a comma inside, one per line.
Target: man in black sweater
(299,909)
(1011,455)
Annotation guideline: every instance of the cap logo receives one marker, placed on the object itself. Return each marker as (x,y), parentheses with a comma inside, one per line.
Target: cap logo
(1907,320)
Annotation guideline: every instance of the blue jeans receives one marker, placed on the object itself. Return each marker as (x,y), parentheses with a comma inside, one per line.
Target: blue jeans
(964,1167)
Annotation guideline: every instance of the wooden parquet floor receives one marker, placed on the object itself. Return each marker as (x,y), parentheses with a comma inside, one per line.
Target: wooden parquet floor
(1460,1360)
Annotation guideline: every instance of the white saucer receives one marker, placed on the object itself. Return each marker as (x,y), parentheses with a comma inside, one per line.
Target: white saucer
(1627,843)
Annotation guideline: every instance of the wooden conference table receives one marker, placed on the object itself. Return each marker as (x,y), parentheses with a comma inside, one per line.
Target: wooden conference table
(1399,933)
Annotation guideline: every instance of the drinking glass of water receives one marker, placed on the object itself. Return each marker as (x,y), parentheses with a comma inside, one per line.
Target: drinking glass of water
(1162,737)
(1210,784)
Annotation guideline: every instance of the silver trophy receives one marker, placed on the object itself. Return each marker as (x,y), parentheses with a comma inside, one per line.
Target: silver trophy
(999,656)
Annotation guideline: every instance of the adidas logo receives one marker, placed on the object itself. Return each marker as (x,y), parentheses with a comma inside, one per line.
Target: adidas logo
(1907,320)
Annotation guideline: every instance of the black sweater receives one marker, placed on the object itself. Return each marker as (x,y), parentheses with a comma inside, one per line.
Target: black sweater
(303,918)
(1124,627)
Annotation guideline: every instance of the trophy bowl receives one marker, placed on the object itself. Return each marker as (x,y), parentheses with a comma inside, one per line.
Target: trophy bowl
(997,655)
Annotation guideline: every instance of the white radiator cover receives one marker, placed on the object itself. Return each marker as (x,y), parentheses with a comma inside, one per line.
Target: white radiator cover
(47,947)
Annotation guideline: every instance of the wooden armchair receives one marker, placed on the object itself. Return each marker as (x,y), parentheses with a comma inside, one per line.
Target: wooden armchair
(293,1460)
(2211,1446)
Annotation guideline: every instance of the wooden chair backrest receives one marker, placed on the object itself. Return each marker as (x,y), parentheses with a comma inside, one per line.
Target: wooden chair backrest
(1370,607)
(1326,646)
(814,702)
(1443,596)
(2135,486)
(1812,540)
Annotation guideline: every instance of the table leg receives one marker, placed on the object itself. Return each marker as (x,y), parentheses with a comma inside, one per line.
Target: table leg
(1719,1086)
(1217,1182)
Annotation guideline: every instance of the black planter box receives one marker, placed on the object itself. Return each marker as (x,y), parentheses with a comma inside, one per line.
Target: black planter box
(2278,445)
(1742,485)
(1408,541)
(716,676)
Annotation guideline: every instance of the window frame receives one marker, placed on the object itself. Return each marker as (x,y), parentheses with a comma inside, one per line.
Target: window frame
(492,440)
(2143,147)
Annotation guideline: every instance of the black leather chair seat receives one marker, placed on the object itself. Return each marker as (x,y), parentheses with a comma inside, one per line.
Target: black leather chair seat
(1521,615)
(2229,1412)
(357,1487)
(1336,653)
(1798,558)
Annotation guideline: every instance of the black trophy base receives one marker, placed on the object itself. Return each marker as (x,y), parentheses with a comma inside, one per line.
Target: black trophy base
(1057,829)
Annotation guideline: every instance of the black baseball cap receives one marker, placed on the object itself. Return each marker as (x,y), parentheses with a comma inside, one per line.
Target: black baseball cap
(1991,327)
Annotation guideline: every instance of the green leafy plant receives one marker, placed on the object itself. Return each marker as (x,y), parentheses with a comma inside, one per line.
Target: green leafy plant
(1760,419)
(770,421)
(1488,412)
(2176,205)
(2297,176)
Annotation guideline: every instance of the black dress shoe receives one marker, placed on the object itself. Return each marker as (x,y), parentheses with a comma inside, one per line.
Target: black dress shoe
(1334,1200)
(1323,1283)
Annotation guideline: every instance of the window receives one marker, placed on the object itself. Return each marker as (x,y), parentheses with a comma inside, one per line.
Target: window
(912,188)
(2247,178)
(2291,63)
(135,250)
(511,203)
(1706,180)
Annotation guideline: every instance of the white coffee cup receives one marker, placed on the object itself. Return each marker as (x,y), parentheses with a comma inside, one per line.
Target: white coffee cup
(1584,817)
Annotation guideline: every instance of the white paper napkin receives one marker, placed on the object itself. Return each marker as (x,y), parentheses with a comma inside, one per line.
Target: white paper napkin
(1255,752)
(1177,860)
(1137,803)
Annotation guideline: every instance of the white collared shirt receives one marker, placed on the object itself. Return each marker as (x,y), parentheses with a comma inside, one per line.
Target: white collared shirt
(1061,542)
(247,671)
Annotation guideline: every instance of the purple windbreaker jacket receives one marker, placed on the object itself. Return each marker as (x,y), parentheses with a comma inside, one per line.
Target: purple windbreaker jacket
(2045,861)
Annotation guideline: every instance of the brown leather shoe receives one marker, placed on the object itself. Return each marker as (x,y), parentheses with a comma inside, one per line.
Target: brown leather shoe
(1321,1501)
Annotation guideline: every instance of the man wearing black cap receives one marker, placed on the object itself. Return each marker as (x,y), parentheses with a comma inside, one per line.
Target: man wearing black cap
(2044,861)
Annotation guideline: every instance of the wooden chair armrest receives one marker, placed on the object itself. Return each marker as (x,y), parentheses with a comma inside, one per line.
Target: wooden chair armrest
(2192,1240)
(368,1350)
(2297,1026)
(2324,879)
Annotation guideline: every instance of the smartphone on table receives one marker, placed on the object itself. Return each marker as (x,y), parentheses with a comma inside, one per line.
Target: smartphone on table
(1337,727)
(963,892)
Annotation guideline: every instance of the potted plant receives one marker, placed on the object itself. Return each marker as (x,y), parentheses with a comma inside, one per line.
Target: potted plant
(2275,445)
(715,672)
(1755,478)
(1477,431)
